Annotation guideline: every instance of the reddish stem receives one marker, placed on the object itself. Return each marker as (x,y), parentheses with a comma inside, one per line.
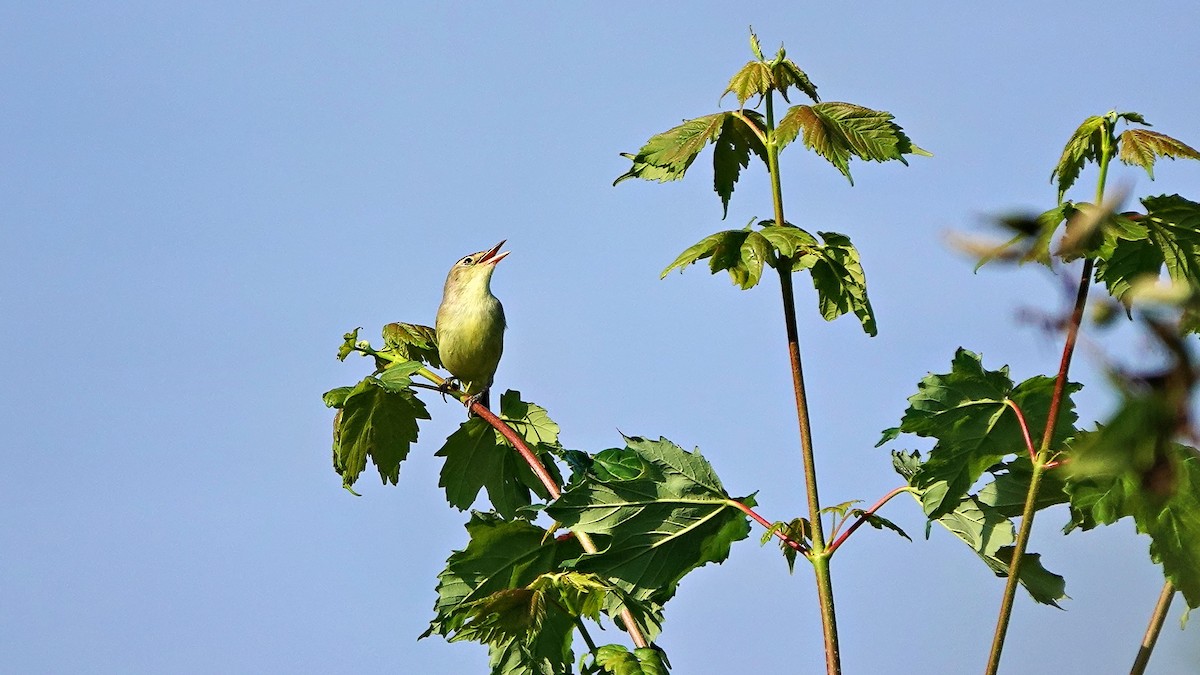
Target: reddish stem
(792,543)
(519,443)
(865,515)
(1024,429)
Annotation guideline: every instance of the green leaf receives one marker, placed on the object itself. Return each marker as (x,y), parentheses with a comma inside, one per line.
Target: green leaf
(618,660)
(798,530)
(879,522)
(755,46)
(398,375)
(379,424)
(1167,236)
(990,535)
(655,529)
(965,411)
(335,398)
(838,276)
(1157,484)
(495,591)
(1085,145)
(839,131)
(413,342)
(667,156)
(731,154)
(1140,147)
(754,79)
(478,457)
(739,252)
(349,340)
(787,239)
(786,74)
(617,464)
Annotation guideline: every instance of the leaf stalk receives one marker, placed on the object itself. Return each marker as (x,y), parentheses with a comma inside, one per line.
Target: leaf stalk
(1156,623)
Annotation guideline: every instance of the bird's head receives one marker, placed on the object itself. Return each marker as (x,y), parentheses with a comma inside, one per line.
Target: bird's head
(475,269)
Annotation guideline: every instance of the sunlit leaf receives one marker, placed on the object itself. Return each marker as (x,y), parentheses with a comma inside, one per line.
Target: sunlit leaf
(1141,147)
(838,131)
(618,660)
(349,340)
(1085,145)
(667,156)
(754,79)
(413,342)
(655,529)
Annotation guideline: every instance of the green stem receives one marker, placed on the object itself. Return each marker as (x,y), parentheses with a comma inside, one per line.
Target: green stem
(1042,458)
(819,556)
(1152,631)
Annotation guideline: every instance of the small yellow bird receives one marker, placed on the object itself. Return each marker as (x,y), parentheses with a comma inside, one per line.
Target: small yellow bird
(470,323)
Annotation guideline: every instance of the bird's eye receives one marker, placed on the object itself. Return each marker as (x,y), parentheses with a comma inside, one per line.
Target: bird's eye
(467,260)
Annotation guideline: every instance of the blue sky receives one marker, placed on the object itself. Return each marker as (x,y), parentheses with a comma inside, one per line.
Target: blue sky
(198,199)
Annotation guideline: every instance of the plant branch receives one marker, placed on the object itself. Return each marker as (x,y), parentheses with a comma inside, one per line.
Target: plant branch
(1039,467)
(1024,428)
(514,439)
(1156,623)
(865,516)
(819,558)
(792,543)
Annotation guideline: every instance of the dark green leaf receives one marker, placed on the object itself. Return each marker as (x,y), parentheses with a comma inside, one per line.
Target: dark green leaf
(838,276)
(478,456)
(731,154)
(655,529)
(349,340)
(965,411)
(618,464)
(413,342)
(727,253)
(1085,145)
(667,156)
(495,591)
(379,424)
(1155,483)
(1167,236)
(786,74)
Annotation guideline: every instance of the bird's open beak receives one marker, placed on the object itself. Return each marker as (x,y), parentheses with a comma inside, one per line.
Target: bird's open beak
(493,256)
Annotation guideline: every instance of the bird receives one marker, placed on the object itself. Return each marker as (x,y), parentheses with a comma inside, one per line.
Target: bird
(470,324)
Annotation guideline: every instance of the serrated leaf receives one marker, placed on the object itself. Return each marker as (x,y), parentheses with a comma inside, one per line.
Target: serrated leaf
(1141,147)
(990,535)
(1157,484)
(879,522)
(479,457)
(842,509)
(965,411)
(838,276)
(753,79)
(787,239)
(349,340)
(655,529)
(798,530)
(755,251)
(755,46)
(413,342)
(1085,145)
(491,592)
(838,131)
(398,375)
(786,74)
(667,156)
(725,250)
(731,154)
(379,424)
(1168,236)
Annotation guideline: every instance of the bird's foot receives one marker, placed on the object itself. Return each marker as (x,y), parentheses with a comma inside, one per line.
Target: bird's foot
(448,385)
(481,398)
